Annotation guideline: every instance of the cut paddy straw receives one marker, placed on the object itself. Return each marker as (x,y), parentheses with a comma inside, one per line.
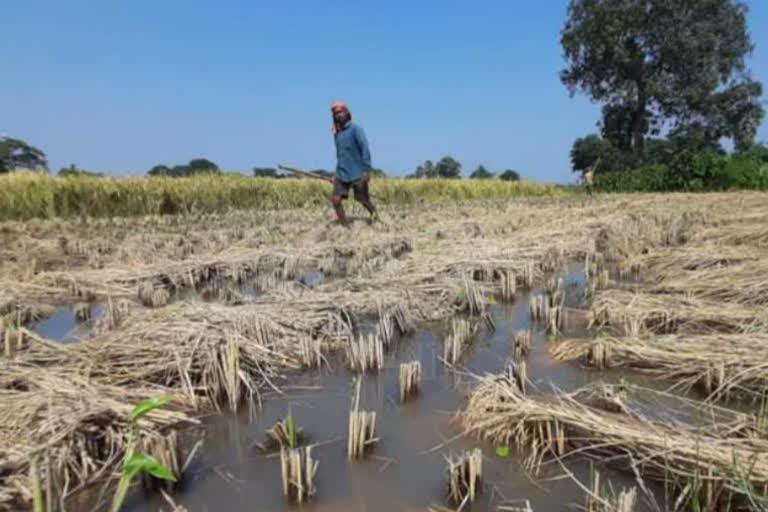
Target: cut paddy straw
(635,312)
(365,353)
(462,331)
(726,459)
(745,283)
(554,320)
(723,365)
(508,285)
(362,427)
(285,433)
(464,477)
(410,379)
(298,470)
(311,352)
(538,306)
(522,343)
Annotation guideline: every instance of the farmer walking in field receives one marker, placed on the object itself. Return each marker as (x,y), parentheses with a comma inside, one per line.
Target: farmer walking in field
(353,162)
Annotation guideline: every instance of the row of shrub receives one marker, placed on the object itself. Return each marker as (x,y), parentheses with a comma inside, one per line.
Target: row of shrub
(692,172)
(25,196)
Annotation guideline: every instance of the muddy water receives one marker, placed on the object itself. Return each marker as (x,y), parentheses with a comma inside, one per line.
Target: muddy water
(407,468)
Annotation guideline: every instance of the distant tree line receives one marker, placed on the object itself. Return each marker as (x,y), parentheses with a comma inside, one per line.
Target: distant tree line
(449,167)
(194,167)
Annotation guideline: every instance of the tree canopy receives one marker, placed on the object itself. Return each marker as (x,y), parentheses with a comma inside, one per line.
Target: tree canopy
(481,173)
(663,63)
(425,170)
(447,167)
(509,175)
(17,154)
(265,172)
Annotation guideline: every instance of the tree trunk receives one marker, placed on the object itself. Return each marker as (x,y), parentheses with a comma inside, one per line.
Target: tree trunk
(638,121)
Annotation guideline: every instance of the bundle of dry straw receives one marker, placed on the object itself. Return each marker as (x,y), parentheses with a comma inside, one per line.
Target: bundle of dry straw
(723,365)
(718,457)
(745,283)
(77,427)
(637,312)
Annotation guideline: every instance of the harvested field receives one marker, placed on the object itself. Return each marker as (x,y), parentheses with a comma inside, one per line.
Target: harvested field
(241,316)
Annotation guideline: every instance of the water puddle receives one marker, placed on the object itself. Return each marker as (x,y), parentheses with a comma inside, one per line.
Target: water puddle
(407,468)
(64,325)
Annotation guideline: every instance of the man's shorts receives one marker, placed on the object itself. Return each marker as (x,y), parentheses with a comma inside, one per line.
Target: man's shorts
(341,189)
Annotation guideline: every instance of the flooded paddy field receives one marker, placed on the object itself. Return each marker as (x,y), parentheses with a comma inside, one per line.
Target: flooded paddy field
(608,354)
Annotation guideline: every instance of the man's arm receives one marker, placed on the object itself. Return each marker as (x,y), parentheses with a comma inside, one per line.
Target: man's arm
(365,152)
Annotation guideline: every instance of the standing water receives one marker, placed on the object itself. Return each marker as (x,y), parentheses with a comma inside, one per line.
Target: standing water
(407,468)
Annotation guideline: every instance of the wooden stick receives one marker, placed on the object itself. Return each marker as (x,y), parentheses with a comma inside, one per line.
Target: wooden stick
(306,173)
(314,175)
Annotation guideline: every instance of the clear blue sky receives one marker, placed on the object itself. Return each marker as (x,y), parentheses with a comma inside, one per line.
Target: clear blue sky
(122,86)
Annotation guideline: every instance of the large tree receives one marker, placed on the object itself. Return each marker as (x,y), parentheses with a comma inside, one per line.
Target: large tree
(510,175)
(651,62)
(202,166)
(448,167)
(481,173)
(15,154)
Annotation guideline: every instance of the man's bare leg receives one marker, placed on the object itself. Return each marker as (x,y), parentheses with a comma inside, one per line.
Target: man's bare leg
(368,205)
(339,207)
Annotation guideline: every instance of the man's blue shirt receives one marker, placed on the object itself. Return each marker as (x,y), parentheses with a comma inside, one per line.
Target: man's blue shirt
(353,156)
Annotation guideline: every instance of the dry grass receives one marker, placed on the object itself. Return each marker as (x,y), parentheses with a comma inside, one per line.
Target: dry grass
(670,262)
(635,313)
(465,473)
(722,365)
(754,234)
(745,283)
(723,460)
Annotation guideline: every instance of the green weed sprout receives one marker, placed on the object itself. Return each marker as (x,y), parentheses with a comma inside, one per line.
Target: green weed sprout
(135,463)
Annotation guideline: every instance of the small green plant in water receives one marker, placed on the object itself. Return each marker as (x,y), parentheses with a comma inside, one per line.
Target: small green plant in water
(135,463)
(490,300)
(291,426)
(461,294)
(502,451)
